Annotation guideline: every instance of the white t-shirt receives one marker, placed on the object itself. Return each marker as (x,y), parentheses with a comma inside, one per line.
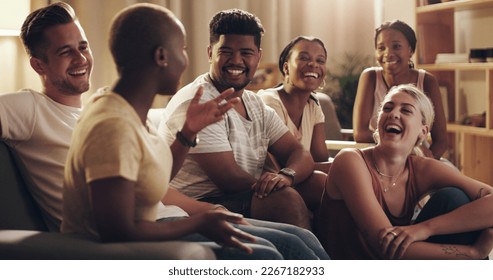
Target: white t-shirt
(247,139)
(39,130)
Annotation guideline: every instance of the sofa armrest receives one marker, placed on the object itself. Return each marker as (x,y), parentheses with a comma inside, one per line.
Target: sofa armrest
(36,245)
(337,145)
(18,210)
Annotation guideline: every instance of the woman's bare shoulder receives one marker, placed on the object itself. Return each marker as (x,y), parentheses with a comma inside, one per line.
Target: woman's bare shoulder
(347,152)
(432,168)
(348,157)
(368,73)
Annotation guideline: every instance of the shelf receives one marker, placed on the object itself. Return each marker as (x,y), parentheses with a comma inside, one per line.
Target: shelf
(479,131)
(457,5)
(441,28)
(457,66)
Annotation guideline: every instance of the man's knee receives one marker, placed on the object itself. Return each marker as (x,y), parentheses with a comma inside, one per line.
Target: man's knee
(288,198)
(285,206)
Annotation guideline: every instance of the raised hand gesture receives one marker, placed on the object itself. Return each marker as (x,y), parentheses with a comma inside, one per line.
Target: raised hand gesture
(200,115)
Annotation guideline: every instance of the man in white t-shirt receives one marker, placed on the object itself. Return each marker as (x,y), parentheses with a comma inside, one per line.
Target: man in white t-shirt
(38,125)
(225,166)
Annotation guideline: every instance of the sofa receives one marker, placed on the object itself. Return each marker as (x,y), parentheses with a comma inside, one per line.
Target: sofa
(24,234)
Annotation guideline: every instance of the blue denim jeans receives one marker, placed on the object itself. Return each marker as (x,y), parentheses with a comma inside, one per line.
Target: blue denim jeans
(442,202)
(273,241)
(287,238)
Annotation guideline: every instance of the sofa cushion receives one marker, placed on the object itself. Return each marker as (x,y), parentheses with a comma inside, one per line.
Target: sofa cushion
(35,245)
(23,233)
(17,207)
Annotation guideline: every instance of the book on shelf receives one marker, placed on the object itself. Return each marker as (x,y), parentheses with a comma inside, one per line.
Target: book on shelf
(452,58)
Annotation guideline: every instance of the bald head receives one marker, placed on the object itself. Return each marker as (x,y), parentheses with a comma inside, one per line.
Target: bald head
(137,31)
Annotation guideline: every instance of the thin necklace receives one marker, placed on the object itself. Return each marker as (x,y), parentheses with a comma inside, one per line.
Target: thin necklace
(392,180)
(385,82)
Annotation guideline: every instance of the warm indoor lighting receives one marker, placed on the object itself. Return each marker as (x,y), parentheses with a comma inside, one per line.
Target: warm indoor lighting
(12,15)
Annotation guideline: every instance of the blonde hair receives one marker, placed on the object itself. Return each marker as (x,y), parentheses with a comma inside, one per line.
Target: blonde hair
(425,106)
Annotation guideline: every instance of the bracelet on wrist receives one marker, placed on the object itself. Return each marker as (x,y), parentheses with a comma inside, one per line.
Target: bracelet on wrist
(184,141)
(289,173)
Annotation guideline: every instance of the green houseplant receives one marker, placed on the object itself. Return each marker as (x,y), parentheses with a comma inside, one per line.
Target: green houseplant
(342,83)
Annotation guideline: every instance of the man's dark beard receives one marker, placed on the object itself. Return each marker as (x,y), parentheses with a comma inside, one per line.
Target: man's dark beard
(65,86)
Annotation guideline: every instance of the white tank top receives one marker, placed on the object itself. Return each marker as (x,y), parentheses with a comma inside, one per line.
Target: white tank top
(381,90)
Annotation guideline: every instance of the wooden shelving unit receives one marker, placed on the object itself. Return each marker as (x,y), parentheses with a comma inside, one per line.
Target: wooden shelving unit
(471,147)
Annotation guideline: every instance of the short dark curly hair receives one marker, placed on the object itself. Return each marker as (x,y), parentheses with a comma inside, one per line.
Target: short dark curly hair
(36,23)
(235,21)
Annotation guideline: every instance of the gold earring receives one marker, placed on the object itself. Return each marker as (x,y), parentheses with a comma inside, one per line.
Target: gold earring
(411,64)
(322,86)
